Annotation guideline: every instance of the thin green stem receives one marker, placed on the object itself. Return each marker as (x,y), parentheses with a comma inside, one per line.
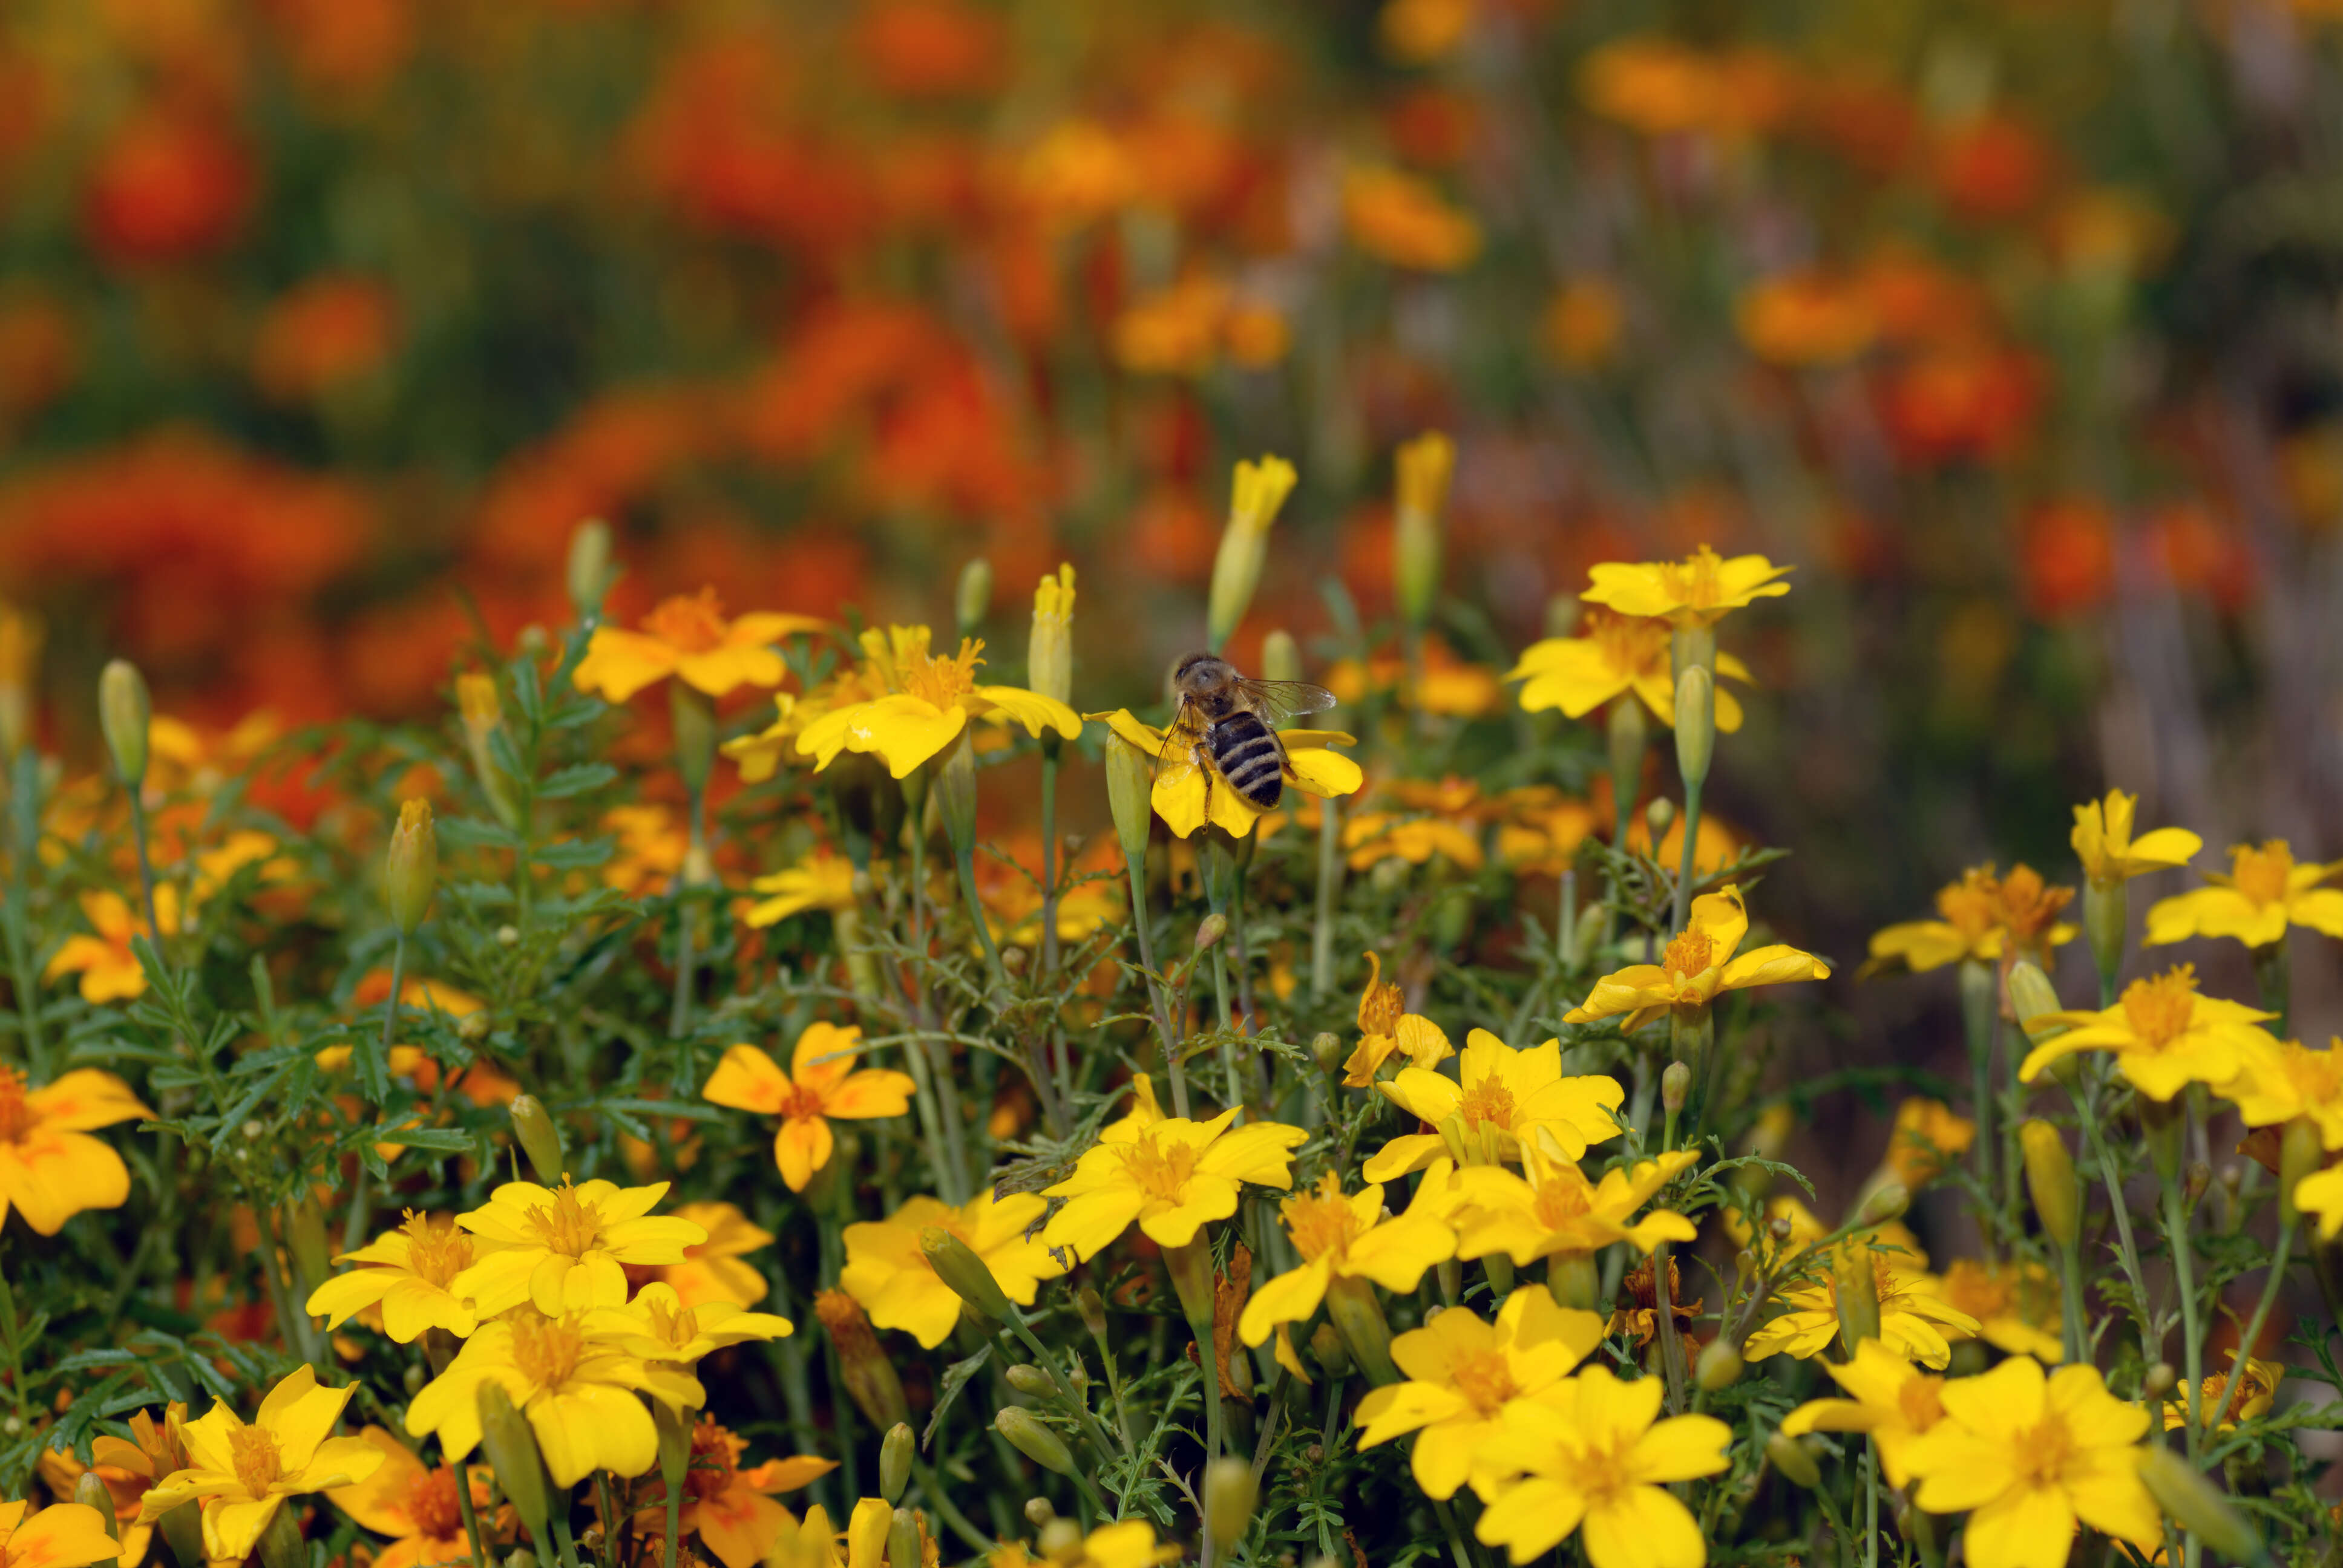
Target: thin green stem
(1459,1551)
(2126,1250)
(471,1516)
(1664,1314)
(1684,861)
(1870,1502)
(967,858)
(146,869)
(1050,855)
(2184,1271)
(1136,871)
(562,1540)
(2070,1304)
(391,1008)
(2246,1341)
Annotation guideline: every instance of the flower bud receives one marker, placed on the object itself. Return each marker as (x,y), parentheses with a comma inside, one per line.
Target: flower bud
(869,1377)
(483,716)
(902,1539)
(520,1557)
(89,1490)
(1129,788)
(540,1139)
(1230,1492)
(974,595)
(2194,1181)
(1358,1317)
(956,795)
(512,1454)
(1887,1202)
(1280,657)
(281,1545)
(124,712)
(1720,1366)
(304,1238)
(1326,1345)
(1029,1380)
(1855,1282)
(2300,1154)
(1259,491)
(674,1429)
(1675,1086)
(2183,1492)
(1027,1435)
(895,1462)
(20,656)
(1793,1459)
(1090,1307)
(958,1266)
(1623,735)
(1049,652)
(1060,1541)
(1426,466)
(1326,1050)
(693,712)
(1210,930)
(1573,1279)
(411,871)
(2031,996)
(1039,1513)
(589,575)
(2158,1381)
(2050,1180)
(1695,724)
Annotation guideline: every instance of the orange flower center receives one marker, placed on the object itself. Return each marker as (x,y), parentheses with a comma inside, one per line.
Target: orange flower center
(1692,953)
(802,1102)
(688,623)
(17,1117)
(1380,1008)
(2262,874)
(1922,1402)
(1486,1379)
(1563,1200)
(431,1504)
(2039,1454)
(675,1327)
(1161,1171)
(252,1451)
(547,1350)
(1968,905)
(1320,1223)
(944,680)
(1630,644)
(435,1249)
(571,1227)
(712,1464)
(2160,1009)
(1487,1101)
(2316,1075)
(2027,908)
(1695,583)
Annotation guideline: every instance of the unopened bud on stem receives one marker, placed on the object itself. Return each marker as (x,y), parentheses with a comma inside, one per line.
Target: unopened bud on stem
(1259,491)
(1695,724)
(512,1454)
(956,1265)
(539,1138)
(2031,996)
(124,712)
(2186,1493)
(1675,1086)
(895,1462)
(973,596)
(1791,1458)
(411,869)
(2300,1154)
(1027,1435)
(1049,652)
(1426,466)
(589,575)
(1230,1492)
(2050,1181)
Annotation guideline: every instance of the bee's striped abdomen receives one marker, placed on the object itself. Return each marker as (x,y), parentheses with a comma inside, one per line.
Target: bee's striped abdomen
(1247,756)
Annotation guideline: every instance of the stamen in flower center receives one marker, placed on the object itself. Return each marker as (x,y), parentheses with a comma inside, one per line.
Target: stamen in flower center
(2262,874)
(253,1450)
(431,1505)
(1320,1223)
(570,1226)
(2160,1009)
(1161,1171)
(1922,1402)
(1630,644)
(688,623)
(435,1249)
(2039,1454)
(944,680)
(1696,582)
(713,1463)
(1692,953)
(675,1327)
(1563,1197)
(547,1350)
(1488,1103)
(1967,905)
(1484,1378)
(16,1118)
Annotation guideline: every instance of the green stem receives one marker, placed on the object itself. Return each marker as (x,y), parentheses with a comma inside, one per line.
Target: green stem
(1870,1502)
(1050,855)
(1684,862)
(2184,1271)
(679,1016)
(1459,1551)
(1980,1002)
(967,858)
(379,1073)
(146,870)
(2070,1303)
(1136,871)
(952,1516)
(1664,1315)
(2253,1333)
(562,1540)
(471,1517)
(2126,1251)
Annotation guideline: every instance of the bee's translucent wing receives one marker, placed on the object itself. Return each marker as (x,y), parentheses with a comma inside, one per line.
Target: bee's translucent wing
(1280,700)
(1179,735)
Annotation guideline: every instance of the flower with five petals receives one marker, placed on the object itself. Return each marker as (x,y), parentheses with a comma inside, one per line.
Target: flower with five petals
(930,700)
(1696,591)
(821,1084)
(691,637)
(1697,968)
(243,1473)
(1502,1102)
(1170,1176)
(2263,892)
(565,1249)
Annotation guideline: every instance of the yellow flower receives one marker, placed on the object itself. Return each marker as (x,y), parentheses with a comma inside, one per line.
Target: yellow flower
(2264,893)
(822,1083)
(2279,1080)
(125,1488)
(1373,836)
(1172,1175)
(1913,1311)
(243,1474)
(2111,855)
(1967,930)
(1049,652)
(728,1507)
(712,1271)
(2164,1033)
(415,1505)
(411,1271)
(822,880)
(1552,1208)
(565,1250)
(1894,1400)
(108,967)
(1614,655)
(1399,218)
(1698,966)
(62,1536)
(1343,1240)
(2254,1399)
(1186,779)
(1592,1454)
(1696,591)
(928,702)
(577,1388)
(1502,1101)
(1129,1544)
(2026,1456)
(1464,1373)
(2321,1195)
(651,848)
(656,1326)
(1927,1137)
(2017,1305)
(688,637)
(1386,1026)
(51,1169)
(888,1274)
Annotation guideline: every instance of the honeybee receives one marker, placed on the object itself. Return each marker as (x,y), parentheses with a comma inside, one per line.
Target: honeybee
(1224,719)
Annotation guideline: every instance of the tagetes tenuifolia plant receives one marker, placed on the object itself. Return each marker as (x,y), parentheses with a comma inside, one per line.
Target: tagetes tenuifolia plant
(1138,1206)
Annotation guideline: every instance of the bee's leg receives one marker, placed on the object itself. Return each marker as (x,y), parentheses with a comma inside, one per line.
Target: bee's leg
(1204,768)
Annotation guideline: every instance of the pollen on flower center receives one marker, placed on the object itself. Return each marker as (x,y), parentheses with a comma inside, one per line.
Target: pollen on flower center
(16,1117)
(1922,1402)
(2160,1009)
(944,680)
(801,1102)
(1561,1202)
(677,1326)
(2039,1454)
(570,1226)
(1968,905)
(1484,1378)
(546,1350)
(258,1464)
(435,1249)
(1692,953)
(1320,1223)
(711,1461)
(431,1505)
(690,623)
(2262,874)
(1696,582)
(1380,1008)
(1489,1102)
(1161,1171)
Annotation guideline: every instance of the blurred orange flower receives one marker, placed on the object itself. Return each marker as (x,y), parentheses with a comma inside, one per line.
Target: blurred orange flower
(1399,218)
(321,334)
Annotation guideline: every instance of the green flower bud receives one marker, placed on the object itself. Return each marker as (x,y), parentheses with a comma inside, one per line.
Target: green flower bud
(2300,1154)
(1795,1460)
(895,1462)
(2050,1181)
(1855,1282)
(540,1139)
(904,1540)
(124,712)
(2158,1381)
(1656,816)
(1090,1307)
(411,870)
(1326,1346)
(1695,724)
(1623,735)
(90,1492)
(1029,1380)
(2031,996)
(1675,1086)
(1028,1435)
(1426,466)
(511,1448)
(973,596)
(1573,1279)
(1326,1050)
(589,575)
(1130,796)
(1259,489)
(1230,1492)
(2183,1492)
(1887,1202)
(694,715)
(1720,1366)
(1039,1513)
(956,1265)
(1280,657)
(1060,1541)
(1210,930)
(1358,1317)
(956,795)
(520,1557)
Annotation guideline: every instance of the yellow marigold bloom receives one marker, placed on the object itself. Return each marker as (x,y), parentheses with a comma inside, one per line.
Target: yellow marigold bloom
(108,967)
(1373,836)
(656,1326)
(728,1507)
(888,1274)
(1696,591)
(62,1536)
(712,1271)
(690,637)
(1697,968)
(243,1474)
(1181,789)
(1129,1544)
(51,1169)
(565,1250)
(125,1489)
(1806,318)
(577,1388)
(2165,1034)
(2264,893)
(2279,1080)
(411,1272)
(1465,1373)
(651,848)
(1345,1241)
(1615,655)
(1928,1138)
(1593,1456)
(1399,218)
(760,755)
(1440,682)
(2026,1456)
(2110,855)
(930,700)
(1170,1175)
(1502,1100)
(1554,1208)
(1967,930)
(822,880)
(1913,1311)
(1385,1026)
(1892,1400)
(821,1084)
(2254,1399)
(415,1506)
(2322,1195)
(2016,1304)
